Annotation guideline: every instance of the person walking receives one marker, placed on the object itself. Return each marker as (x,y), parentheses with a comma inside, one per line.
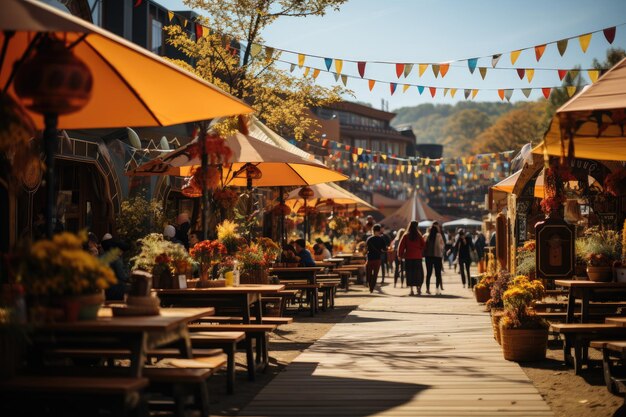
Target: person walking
(410,250)
(376,245)
(433,253)
(399,263)
(463,248)
(480,242)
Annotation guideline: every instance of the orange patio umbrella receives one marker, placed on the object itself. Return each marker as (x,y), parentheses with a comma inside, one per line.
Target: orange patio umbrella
(71,74)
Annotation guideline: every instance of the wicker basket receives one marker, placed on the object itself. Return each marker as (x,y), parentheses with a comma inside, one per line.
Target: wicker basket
(523,345)
(496,315)
(483,294)
(257,276)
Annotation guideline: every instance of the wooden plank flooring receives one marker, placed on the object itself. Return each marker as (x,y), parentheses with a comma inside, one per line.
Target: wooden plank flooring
(404,356)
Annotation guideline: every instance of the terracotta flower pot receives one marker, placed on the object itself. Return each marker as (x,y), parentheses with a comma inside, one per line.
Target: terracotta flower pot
(600,273)
(483,294)
(523,345)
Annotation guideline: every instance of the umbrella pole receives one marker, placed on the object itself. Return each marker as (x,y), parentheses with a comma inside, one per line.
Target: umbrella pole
(281,222)
(205,193)
(306,220)
(50,146)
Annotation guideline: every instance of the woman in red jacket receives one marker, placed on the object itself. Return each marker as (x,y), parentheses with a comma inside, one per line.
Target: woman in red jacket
(410,249)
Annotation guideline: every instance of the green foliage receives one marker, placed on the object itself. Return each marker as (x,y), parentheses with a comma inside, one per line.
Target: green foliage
(153,246)
(138,217)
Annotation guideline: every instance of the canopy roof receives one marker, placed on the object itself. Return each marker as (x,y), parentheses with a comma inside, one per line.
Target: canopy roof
(413,209)
(328,195)
(463,222)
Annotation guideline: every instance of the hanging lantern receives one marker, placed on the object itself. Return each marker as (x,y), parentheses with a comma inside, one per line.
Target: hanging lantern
(281,209)
(306,193)
(191,189)
(54,80)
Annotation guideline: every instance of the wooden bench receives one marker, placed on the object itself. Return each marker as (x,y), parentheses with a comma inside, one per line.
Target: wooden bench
(185,377)
(329,289)
(311,291)
(612,351)
(72,395)
(279,321)
(578,336)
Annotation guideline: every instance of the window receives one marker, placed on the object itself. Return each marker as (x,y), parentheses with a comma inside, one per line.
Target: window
(95,6)
(156,38)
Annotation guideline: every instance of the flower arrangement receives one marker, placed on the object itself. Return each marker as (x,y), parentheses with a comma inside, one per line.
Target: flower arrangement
(518,300)
(206,254)
(615,182)
(500,285)
(153,247)
(554,179)
(227,264)
(228,235)
(526,263)
(600,247)
(226,198)
(251,258)
(270,249)
(337,224)
(61,267)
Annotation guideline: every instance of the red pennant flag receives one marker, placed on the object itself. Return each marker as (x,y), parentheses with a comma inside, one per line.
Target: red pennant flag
(562,74)
(609,34)
(198,31)
(399,69)
(539,50)
(546,92)
(433,91)
(361,67)
(520,73)
(392,87)
(325,143)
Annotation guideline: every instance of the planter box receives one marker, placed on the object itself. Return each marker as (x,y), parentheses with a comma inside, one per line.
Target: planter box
(522,345)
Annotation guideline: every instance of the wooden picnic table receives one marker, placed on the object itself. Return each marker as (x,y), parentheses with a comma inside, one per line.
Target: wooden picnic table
(242,297)
(138,334)
(584,290)
(308,274)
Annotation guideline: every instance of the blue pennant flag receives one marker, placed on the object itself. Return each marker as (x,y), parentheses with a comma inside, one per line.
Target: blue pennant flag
(420,88)
(471,63)
(328,62)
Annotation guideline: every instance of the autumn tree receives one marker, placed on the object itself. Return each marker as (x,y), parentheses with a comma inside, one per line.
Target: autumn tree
(230,55)
(460,131)
(525,123)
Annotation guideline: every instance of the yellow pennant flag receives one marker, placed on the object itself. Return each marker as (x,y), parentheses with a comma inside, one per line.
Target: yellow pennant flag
(301,60)
(427,161)
(354,157)
(338,65)
(514,56)
(530,73)
(474,92)
(359,151)
(405,87)
(170,15)
(255,49)
(571,89)
(593,75)
(416,173)
(185,23)
(421,68)
(384,156)
(402,168)
(306,71)
(371,84)
(205,31)
(316,72)
(409,169)
(453,92)
(584,41)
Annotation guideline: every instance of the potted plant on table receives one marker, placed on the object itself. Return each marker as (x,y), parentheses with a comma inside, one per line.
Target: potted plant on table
(255,259)
(524,336)
(602,250)
(163,259)
(207,254)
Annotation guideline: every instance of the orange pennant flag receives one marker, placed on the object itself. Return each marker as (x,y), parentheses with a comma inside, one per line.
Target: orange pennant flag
(421,68)
(514,56)
(584,41)
(593,75)
(530,73)
(501,93)
(338,65)
(443,69)
(316,72)
(399,70)
(433,91)
(371,84)
(301,60)
(539,50)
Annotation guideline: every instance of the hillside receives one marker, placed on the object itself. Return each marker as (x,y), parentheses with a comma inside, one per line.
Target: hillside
(474,127)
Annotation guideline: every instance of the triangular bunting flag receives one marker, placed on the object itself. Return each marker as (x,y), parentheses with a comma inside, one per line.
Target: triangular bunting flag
(546,91)
(526,91)
(198,30)
(520,73)
(584,41)
(571,90)
(420,89)
(392,88)
(494,60)
(405,87)
(445,91)
(170,16)
(328,62)
(306,71)
(205,31)
(407,69)
(514,56)
(474,92)
(338,65)
(255,49)
(316,72)
(609,34)
(336,76)
(435,68)
(443,69)
(361,67)
(421,68)
(471,63)
(433,91)
(355,157)
(508,93)
(562,74)
(399,70)
(371,83)
(573,74)
(483,72)
(301,60)
(539,50)
(501,93)
(452,92)
(185,23)
(593,75)
(467,93)
(269,53)
(562,46)
(530,73)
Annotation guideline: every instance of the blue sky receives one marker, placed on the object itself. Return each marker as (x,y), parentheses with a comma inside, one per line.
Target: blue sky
(446,30)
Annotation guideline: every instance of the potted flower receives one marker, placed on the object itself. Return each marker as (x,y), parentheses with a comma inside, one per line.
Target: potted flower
(602,251)
(255,259)
(526,263)
(619,267)
(495,303)
(207,254)
(482,290)
(63,273)
(163,259)
(228,235)
(524,335)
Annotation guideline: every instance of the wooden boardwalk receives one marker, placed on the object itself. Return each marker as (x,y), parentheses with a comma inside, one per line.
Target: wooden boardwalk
(404,356)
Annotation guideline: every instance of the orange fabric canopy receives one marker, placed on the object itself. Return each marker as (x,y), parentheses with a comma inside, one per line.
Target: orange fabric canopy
(131,86)
(323,194)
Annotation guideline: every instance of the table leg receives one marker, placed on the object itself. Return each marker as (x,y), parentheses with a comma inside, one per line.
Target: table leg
(245,307)
(584,308)
(138,346)
(259,309)
(184,344)
(571,306)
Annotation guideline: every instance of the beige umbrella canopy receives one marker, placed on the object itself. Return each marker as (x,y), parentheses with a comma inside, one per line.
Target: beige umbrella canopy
(81,76)
(325,196)
(277,166)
